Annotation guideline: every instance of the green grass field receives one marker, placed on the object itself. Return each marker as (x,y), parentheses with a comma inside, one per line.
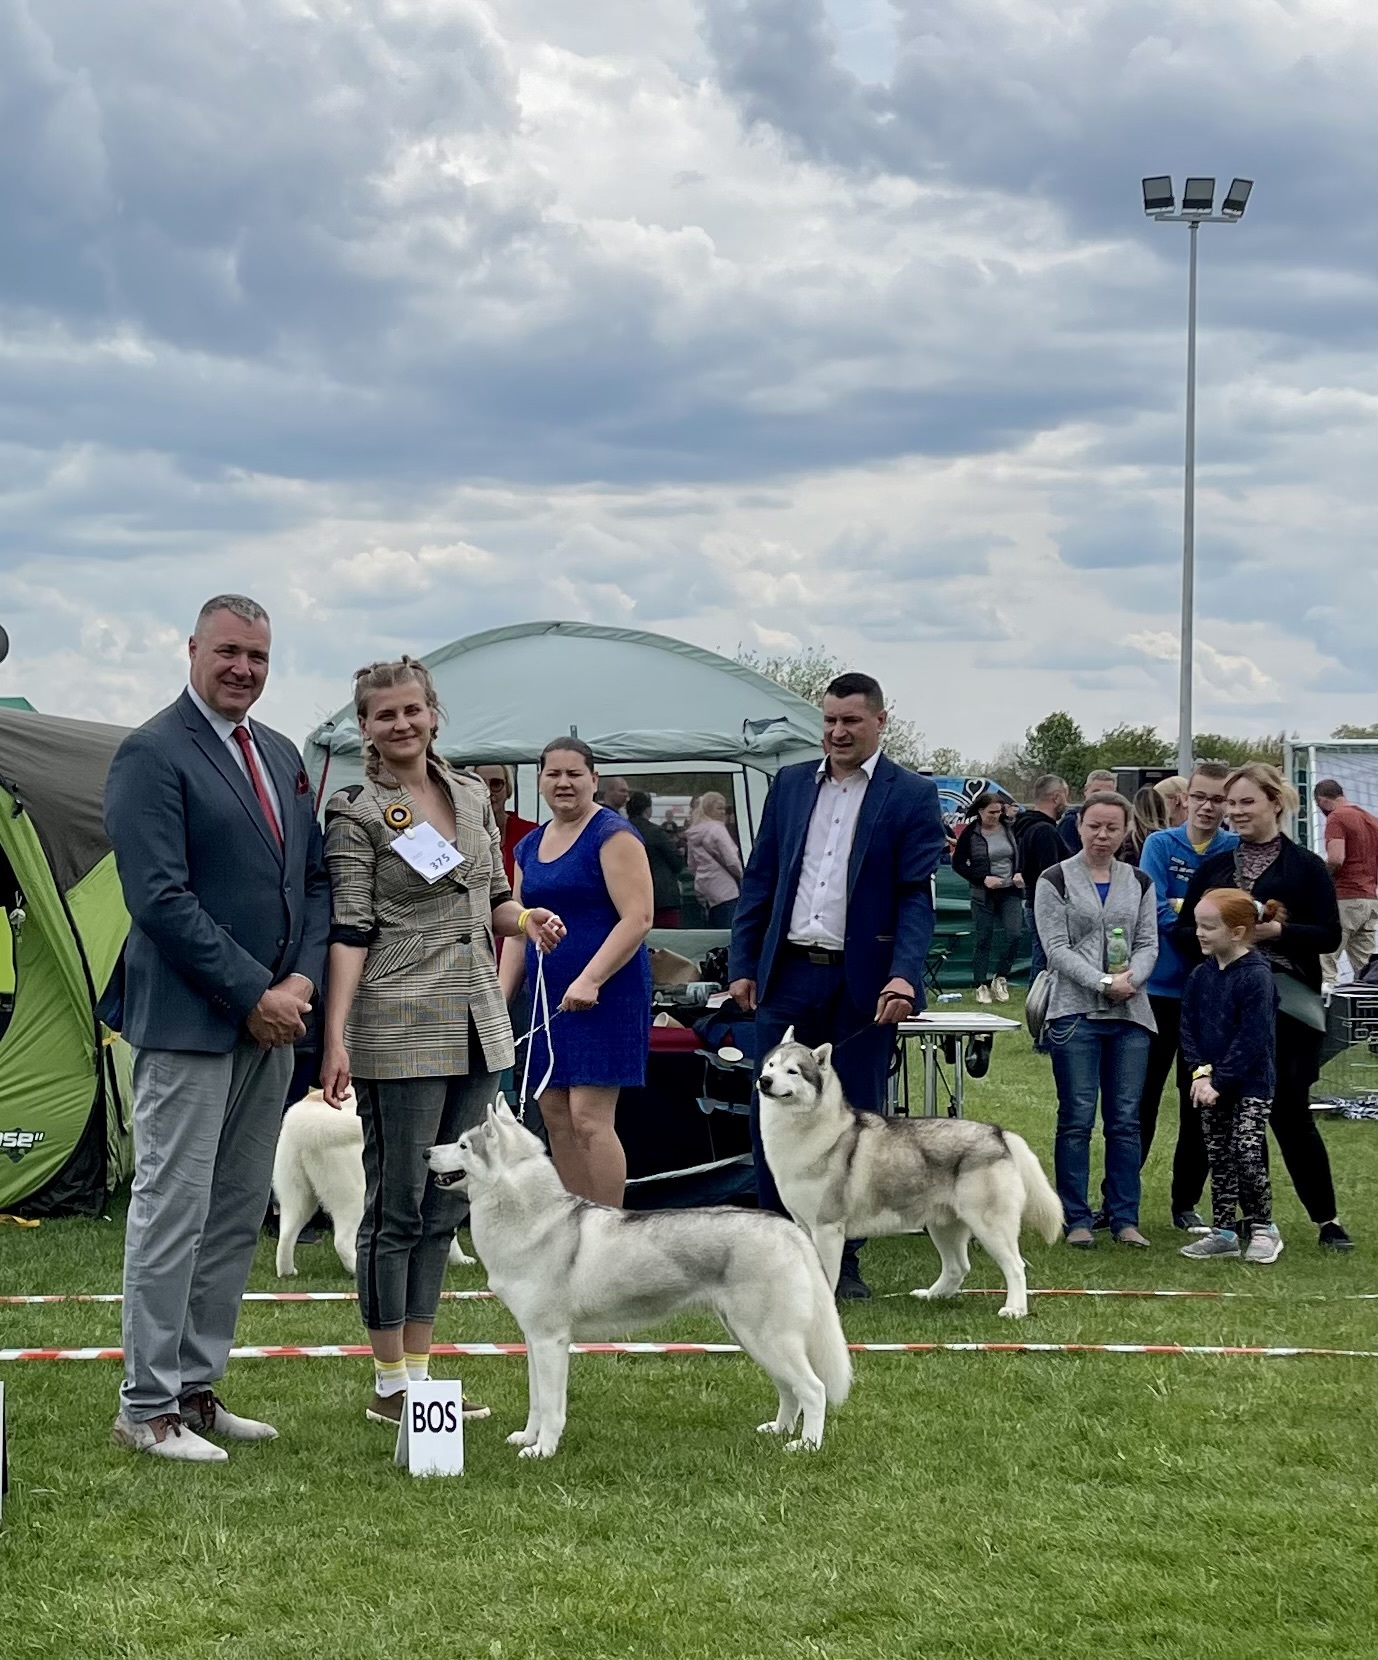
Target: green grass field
(1087,1507)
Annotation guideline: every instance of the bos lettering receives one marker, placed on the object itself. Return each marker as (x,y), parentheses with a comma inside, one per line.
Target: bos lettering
(434,1417)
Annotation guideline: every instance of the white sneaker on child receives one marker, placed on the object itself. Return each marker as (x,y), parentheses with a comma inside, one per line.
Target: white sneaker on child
(1265,1245)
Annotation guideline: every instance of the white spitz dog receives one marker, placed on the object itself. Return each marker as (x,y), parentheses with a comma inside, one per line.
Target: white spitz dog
(320,1165)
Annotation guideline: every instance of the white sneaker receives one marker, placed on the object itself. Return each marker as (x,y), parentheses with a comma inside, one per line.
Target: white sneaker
(1265,1245)
(1000,988)
(165,1437)
(983,994)
(1217,1243)
(204,1413)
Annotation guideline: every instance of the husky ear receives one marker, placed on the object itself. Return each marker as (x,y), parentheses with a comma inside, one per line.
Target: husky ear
(789,1035)
(503,1111)
(824,1055)
(490,1117)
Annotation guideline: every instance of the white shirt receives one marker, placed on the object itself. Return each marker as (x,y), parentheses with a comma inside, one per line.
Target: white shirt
(223,729)
(819,917)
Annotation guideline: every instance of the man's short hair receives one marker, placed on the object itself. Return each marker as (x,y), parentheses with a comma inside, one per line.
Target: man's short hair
(1218,771)
(1046,787)
(1093,780)
(1327,789)
(247,610)
(858,685)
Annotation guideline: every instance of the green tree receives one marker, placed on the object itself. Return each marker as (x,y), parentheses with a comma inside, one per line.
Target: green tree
(809,672)
(1347,731)
(1130,746)
(1057,744)
(947,762)
(1235,752)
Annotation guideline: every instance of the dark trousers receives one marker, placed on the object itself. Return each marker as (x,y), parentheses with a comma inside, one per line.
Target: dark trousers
(720,916)
(408,1222)
(1299,1141)
(1038,957)
(813,998)
(997,917)
(1189,1160)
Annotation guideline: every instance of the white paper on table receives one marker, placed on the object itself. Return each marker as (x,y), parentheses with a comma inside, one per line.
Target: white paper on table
(427,851)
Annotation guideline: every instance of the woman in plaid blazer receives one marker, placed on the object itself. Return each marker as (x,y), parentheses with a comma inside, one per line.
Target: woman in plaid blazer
(414,1016)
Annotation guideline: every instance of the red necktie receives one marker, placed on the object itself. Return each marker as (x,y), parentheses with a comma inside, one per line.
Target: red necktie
(241,737)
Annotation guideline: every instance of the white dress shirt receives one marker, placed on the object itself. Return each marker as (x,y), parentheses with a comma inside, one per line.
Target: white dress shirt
(223,729)
(819,917)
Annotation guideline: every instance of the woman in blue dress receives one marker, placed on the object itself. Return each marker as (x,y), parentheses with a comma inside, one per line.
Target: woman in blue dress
(590,866)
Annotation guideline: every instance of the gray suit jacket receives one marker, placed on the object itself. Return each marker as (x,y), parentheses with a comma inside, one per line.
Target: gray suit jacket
(218,913)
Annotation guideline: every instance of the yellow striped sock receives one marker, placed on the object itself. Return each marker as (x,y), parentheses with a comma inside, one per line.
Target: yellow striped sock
(390,1376)
(418,1367)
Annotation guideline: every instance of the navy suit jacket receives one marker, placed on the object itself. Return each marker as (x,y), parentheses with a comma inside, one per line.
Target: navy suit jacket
(899,840)
(218,912)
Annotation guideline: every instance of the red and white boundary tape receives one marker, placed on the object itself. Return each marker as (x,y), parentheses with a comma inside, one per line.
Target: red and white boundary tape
(331,1351)
(491,1296)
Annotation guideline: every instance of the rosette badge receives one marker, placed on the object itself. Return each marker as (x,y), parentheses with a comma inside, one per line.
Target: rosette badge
(397,817)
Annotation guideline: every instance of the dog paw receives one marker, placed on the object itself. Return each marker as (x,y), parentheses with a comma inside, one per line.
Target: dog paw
(931,1294)
(803,1444)
(1011,1313)
(773,1428)
(522,1438)
(536,1451)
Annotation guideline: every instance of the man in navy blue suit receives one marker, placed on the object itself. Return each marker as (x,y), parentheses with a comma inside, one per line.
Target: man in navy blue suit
(219,855)
(836,910)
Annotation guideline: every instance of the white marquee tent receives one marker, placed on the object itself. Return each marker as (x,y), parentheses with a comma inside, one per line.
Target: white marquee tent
(643,703)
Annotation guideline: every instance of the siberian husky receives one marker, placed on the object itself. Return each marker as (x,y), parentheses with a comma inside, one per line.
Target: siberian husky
(319,1164)
(570,1269)
(849,1174)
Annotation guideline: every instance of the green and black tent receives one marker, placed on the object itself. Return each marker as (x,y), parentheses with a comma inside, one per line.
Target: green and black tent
(64,1081)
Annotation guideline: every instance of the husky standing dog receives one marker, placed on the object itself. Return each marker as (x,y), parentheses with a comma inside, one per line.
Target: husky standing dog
(319,1164)
(848,1174)
(568,1268)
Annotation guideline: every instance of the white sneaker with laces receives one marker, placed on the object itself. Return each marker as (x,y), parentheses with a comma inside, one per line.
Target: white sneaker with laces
(983,994)
(1265,1245)
(165,1437)
(1217,1243)
(1001,989)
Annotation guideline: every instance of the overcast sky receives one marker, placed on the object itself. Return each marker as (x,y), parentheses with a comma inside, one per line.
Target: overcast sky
(755,322)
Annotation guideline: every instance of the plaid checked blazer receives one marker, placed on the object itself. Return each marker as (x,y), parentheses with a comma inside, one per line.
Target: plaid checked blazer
(430,962)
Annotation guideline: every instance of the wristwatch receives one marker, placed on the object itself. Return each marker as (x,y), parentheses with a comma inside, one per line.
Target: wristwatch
(1106,981)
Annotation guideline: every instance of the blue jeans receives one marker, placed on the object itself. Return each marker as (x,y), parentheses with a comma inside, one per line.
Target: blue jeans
(1109,1059)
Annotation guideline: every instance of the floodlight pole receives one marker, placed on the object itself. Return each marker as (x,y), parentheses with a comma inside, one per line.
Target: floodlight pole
(1185,742)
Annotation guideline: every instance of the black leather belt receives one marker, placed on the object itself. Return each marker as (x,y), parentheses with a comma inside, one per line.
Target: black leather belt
(817,955)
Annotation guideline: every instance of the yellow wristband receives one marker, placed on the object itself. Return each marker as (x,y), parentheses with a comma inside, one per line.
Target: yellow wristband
(522,920)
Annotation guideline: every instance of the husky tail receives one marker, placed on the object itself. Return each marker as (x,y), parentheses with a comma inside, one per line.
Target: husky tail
(1042,1207)
(825,1345)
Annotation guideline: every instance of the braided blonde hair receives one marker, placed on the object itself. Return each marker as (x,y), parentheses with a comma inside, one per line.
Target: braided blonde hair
(382,677)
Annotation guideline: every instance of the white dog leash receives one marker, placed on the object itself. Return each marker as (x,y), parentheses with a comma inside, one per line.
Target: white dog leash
(540,1012)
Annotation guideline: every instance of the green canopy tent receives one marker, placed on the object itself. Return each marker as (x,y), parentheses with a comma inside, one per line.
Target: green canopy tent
(64,1083)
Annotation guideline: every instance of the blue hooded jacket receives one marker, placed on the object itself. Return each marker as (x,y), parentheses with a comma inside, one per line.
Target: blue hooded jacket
(1171,861)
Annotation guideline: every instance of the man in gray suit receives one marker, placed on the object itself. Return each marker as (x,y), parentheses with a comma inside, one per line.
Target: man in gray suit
(220,858)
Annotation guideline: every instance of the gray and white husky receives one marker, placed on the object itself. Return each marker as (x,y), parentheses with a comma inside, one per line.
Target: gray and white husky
(849,1174)
(570,1269)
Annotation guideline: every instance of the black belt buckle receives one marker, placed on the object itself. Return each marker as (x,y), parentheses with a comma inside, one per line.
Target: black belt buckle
(819,957)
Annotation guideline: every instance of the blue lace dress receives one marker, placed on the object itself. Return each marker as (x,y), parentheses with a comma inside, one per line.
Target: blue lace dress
(606,1045)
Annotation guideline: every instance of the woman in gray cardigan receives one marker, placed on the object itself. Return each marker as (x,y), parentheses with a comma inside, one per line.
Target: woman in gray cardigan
(1099,1020)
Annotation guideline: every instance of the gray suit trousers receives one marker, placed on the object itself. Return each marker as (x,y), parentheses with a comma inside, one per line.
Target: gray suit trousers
(205,1130)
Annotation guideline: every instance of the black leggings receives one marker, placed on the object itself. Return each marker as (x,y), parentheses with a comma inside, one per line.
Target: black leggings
(1237,1138)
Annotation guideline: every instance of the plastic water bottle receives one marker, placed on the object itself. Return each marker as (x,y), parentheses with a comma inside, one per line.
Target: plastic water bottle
(1116,952)
(949,997)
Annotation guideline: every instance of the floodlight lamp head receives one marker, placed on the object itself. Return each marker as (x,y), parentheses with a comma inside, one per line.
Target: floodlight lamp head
(1158,196)
(1236,198)
(1198,195)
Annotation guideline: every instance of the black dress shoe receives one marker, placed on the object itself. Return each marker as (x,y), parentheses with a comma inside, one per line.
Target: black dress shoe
(851,1288)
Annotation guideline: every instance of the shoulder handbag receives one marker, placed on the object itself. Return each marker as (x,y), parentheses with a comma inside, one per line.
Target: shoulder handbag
(1299,1002)
(1036,1003)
